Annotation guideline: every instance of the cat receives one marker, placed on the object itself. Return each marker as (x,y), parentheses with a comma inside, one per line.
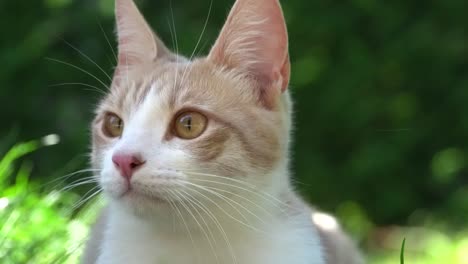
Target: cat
(193,154)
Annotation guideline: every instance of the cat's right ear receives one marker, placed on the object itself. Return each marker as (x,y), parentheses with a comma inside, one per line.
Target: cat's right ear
(254,40)
(137,44)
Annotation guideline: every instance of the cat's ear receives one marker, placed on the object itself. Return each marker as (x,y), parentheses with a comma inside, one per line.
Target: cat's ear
(254,40)
(137,42)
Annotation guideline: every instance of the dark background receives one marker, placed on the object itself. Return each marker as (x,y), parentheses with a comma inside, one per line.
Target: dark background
(381,91)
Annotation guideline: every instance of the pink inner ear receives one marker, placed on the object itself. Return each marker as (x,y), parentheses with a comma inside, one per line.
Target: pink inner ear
(136,39)
(127,58)
(254,40)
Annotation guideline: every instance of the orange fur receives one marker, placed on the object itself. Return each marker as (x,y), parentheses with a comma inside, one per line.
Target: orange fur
(241,87)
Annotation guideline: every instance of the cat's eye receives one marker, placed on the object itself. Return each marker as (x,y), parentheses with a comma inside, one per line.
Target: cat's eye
(190,125)
(113,125)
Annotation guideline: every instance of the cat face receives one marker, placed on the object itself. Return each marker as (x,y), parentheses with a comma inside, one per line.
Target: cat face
(172,128)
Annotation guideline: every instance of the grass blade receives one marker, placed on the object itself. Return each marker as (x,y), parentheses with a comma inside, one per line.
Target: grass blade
(402,252)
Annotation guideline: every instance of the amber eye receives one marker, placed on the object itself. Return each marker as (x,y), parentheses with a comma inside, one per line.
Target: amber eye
(190,125)
(113,125)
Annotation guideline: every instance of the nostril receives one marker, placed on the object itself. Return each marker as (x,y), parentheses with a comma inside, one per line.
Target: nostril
(127,163)
(136,164)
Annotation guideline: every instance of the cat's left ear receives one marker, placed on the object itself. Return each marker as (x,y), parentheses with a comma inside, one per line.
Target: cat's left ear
(254,40)
(137,44)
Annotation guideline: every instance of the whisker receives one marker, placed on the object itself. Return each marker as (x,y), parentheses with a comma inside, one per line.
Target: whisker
(174,27)
(243,198)
(230,201)
(90,191)
(174,41)
(181,201)
(220,177)
(199,38)
(97,202)
(190,202)
(94,88)
(273,200)
(182,217)
(67,176)
(79,182)
(301,183)
(78,68)
(216,222)
(171,203)
(218,206)
(203,30)
(71,185)
(171,32)
(83,201)
(202,47)
(88,58)
(108,42)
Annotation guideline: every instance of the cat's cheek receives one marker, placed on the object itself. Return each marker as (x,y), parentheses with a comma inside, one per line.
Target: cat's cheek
(174,157)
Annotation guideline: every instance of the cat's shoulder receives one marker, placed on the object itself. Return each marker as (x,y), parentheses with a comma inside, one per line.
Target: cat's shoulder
(336,246)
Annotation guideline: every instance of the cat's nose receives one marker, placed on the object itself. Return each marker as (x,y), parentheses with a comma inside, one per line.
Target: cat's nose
(127,164)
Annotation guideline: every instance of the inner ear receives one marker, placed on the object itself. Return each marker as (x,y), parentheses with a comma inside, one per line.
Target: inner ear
(137,43)
(254,41)
(136,40)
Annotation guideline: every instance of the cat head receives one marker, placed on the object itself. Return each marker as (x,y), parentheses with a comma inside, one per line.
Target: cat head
(172,127)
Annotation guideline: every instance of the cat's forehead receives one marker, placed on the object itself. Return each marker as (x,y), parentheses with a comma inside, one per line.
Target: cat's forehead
(176,85)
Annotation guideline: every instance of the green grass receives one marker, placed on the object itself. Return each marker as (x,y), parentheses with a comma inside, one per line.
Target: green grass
(402,252)
(422,246)
(37,226)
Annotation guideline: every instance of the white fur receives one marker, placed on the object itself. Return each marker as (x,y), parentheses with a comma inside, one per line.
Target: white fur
(160,234)
(176,212)
(130,240)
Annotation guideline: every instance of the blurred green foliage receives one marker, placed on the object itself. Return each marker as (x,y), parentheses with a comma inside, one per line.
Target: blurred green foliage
(39,227)
(36,226)
(380,87)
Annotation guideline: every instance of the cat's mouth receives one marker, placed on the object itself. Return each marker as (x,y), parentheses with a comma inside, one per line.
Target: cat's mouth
(133,194)
(147,187)
(152,187)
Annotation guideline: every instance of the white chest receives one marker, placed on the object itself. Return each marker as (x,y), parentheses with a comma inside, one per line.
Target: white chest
(286,243)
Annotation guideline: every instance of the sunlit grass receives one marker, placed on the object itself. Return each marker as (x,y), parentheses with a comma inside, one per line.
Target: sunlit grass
(402,252)
(422,246)
(37,226)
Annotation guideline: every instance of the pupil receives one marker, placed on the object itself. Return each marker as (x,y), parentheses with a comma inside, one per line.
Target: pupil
(189,123)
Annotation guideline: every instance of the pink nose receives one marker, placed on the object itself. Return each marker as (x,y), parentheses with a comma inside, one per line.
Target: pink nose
(127,164)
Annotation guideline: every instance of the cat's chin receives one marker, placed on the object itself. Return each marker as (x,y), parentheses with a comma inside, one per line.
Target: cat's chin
(138,198)
(142,204)
(141,197)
